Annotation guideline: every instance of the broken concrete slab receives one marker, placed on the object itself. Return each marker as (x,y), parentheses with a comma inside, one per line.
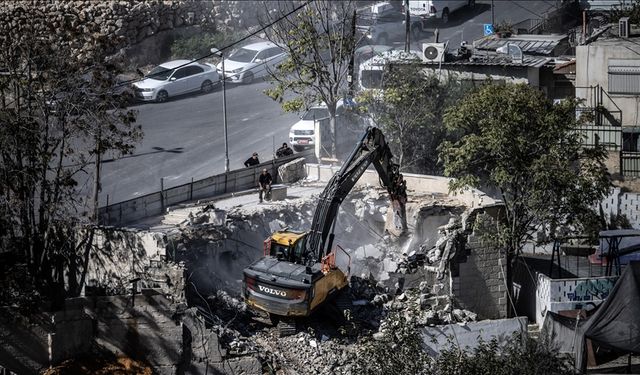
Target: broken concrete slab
(437,339)
(293,171)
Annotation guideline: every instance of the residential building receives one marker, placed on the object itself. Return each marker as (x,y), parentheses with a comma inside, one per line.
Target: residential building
(608,80)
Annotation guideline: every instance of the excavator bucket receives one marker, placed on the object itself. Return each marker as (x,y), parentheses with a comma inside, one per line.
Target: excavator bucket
(396,223)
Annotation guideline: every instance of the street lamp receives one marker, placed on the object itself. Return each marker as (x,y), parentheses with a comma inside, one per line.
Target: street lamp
(224,111)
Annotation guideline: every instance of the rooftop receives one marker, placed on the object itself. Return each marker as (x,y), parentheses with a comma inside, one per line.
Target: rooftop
(529,44)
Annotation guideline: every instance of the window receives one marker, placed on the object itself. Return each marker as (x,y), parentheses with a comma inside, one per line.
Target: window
(624,76)
(193,70)
(160,73)
(180,73)
(631,139)
(262,55)
(315,114)
(273,51)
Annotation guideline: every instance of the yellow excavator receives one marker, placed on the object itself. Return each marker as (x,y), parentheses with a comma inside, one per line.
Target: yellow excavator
(298,272)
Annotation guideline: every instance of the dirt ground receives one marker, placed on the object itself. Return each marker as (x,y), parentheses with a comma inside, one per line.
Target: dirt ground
(100,366)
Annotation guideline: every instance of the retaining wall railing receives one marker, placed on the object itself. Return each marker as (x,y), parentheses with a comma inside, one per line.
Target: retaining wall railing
(156,203)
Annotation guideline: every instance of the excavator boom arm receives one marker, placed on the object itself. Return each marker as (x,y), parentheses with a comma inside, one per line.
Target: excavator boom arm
(372,148)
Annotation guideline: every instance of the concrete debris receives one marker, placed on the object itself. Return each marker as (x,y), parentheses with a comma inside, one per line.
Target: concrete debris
(293,171)
(215,243)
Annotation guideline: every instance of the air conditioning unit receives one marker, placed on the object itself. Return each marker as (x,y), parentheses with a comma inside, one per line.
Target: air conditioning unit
(623,27)
(433,52)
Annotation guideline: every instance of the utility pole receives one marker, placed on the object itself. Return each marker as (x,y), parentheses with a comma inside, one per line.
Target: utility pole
(493,16)
(351,76)
(96,176)
(407,27)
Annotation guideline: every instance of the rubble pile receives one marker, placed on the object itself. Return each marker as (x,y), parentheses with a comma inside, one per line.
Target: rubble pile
(388,275)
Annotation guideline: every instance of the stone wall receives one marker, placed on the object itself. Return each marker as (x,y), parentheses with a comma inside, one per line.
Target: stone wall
(131,23)
(480,285)
(148,328)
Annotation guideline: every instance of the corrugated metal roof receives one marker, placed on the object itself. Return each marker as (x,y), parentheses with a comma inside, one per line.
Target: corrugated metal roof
(541,46)
(496,59)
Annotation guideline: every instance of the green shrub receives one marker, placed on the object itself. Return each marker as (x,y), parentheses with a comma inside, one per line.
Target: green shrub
(400,351)
(200,45)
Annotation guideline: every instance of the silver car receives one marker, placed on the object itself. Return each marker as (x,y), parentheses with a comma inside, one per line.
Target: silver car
(175,78)
(252,61)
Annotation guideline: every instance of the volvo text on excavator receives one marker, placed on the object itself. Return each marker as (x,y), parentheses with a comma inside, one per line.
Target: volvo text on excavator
(298,271)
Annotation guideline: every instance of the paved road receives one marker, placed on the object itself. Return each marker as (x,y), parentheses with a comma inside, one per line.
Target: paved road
(467,24)
(184,139)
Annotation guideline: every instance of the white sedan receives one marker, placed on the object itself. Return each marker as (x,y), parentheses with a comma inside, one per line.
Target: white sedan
(252,61)
(175,78)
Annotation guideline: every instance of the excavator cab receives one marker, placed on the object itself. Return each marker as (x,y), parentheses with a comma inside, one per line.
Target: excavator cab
(286,246)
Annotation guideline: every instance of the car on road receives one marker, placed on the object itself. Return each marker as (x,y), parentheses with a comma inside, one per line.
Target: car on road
(382,25)
(175,78)
(302,133)
(439,9)
(252,61)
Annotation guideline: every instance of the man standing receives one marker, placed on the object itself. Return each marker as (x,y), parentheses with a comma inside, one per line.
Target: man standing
(264,184)
(253,160)
(284,151)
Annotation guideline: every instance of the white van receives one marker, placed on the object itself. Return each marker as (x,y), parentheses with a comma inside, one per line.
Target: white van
(371,72)
(440,9)
(302,133)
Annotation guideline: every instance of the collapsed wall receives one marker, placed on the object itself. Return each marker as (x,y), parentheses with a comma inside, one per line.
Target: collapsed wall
(196,254)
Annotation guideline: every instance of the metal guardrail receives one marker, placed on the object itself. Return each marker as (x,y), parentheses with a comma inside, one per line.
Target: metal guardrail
(154,204)
(630,164)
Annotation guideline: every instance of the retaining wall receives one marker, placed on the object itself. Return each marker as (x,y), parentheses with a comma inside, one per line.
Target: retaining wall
(437,185)
(153,204)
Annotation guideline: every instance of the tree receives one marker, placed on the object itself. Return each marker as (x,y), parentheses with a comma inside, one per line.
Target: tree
(629,9)
(410,111)
(515,139)
(319,40)
(59,113)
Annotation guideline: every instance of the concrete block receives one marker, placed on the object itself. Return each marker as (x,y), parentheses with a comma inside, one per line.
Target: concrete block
(278,192)
(292,171)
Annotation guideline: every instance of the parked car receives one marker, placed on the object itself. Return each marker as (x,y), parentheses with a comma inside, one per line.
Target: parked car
(439,9)
(252,61)
(364,53)
(302,133)
(383,24)
(175,78)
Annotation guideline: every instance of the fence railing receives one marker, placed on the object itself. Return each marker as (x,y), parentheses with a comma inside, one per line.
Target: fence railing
(606,135)
(154,204)
(630,164)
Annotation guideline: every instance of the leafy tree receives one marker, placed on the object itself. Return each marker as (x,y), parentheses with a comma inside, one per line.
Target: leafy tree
(399,350)
(410,112)
(59,113)
(629,9)
(319,40)
(515,139)
(200,44)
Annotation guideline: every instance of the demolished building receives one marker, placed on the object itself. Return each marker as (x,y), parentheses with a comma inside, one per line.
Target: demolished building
(173,281)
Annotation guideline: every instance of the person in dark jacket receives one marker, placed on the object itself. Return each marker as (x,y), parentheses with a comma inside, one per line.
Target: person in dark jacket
(284,151)
(264,184)
(253,160)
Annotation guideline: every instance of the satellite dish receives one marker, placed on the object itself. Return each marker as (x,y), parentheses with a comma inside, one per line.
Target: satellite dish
(431,52)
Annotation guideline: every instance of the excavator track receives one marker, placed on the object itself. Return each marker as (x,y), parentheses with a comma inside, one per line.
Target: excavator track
(344,303)
(286,327)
